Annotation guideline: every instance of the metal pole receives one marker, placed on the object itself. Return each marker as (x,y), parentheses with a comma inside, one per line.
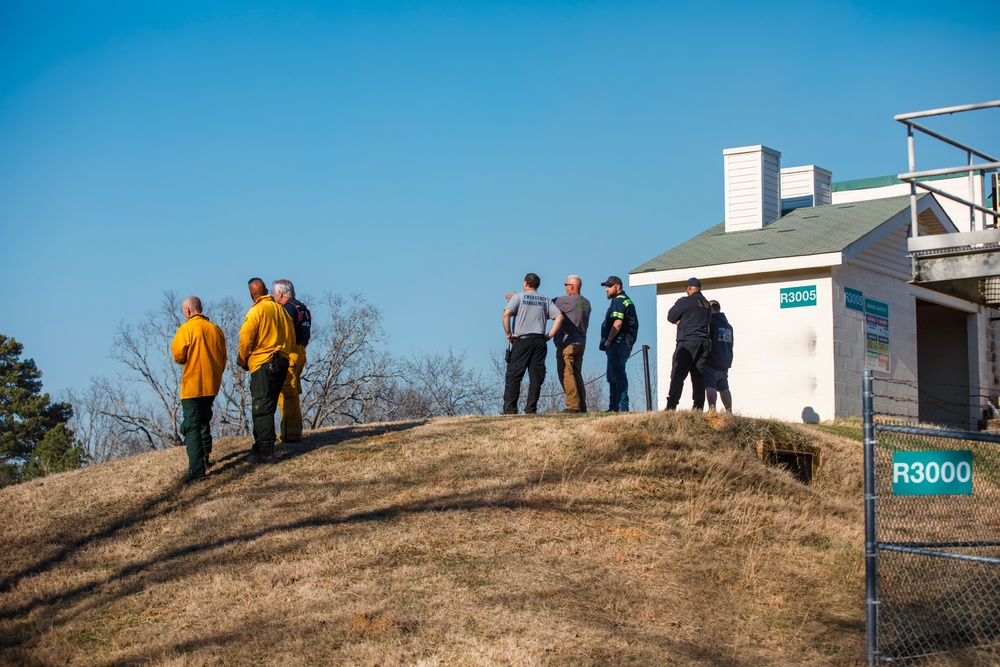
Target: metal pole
(957,144)
(911,149)
(947,110)
(871,555)
(947,171)
(972,193)
(946,195)
(645,366)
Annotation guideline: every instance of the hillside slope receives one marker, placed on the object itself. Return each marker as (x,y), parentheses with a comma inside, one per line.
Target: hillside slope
(645,538)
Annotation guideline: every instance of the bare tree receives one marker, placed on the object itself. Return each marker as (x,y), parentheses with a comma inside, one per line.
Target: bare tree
(102,435)
(233,404)
(447,387)
(405,402)
(597,389)
(347,378)
(553,397)
(153,411)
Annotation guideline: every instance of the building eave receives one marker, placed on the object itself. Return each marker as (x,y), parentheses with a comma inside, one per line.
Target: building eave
(775,265)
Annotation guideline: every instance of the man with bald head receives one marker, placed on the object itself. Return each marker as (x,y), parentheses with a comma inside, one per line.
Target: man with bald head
(570,341)
(201,347)
(266,342)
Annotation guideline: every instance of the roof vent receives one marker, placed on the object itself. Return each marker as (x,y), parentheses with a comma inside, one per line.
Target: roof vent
(804,186)
(753,187)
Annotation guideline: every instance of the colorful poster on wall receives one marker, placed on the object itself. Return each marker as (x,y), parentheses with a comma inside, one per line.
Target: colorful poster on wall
(877,354)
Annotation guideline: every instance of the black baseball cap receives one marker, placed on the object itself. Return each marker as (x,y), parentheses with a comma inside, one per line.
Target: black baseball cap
(612,280)
(694,282)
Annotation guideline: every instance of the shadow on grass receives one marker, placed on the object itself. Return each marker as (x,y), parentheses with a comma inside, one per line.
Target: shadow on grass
(131,579)
(232,466)
(177,649)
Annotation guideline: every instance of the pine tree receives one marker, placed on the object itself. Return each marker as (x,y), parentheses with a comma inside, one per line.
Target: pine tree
(34,438)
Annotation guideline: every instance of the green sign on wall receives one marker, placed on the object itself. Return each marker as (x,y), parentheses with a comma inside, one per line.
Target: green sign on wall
(797,297)
(876,308)
(854,299)
(932,473)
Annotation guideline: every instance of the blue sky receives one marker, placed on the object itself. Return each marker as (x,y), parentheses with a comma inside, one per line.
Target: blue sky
(425,155)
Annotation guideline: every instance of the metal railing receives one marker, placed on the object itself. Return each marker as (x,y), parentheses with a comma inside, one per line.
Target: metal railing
(913,177)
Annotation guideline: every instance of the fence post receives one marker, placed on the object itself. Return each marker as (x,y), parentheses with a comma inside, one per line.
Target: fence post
(871,555)
(645,367)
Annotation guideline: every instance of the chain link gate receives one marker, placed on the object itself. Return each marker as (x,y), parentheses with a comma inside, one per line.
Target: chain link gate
(932,543)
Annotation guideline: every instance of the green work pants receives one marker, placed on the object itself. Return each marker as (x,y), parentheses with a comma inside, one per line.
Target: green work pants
(197,432)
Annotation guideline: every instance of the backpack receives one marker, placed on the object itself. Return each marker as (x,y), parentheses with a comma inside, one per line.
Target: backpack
(302,322)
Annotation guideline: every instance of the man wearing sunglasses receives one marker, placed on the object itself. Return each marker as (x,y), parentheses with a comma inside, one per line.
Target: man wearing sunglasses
(570,343)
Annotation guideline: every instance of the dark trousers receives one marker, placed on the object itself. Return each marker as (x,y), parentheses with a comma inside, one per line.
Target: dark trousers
(618,355)
(265,386)
(690,358)
(526,354)
(197,432)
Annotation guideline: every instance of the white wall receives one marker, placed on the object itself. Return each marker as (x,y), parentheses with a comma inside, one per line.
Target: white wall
(783,357)
(806,363)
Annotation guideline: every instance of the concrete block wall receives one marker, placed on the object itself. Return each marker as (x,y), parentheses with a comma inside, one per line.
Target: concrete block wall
(899,399)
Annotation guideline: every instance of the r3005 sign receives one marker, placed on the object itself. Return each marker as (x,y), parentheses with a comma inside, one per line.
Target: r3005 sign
(932,473)
(797,297)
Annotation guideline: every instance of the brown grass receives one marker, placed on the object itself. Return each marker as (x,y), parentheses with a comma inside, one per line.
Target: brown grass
(643,539)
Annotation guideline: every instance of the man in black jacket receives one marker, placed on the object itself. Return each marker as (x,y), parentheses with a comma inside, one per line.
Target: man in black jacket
(692,315)
(618,335)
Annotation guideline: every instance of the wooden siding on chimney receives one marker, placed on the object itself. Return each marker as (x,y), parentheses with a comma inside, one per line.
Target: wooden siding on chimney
(805,186)
(753,187)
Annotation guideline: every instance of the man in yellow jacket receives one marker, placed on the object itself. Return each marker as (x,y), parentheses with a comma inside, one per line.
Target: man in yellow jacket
(201,347)
(266,343)
(288,401)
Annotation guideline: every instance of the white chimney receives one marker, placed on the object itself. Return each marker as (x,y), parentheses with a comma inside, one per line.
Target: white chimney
(804,186)
(753,187)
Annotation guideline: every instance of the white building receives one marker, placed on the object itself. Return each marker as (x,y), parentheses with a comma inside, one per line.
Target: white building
(816,281)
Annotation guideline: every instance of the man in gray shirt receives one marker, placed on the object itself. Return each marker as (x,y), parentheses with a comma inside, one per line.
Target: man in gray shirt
(570,344)
(527,337)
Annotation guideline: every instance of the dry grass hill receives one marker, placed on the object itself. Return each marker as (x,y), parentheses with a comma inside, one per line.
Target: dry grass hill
(633,539)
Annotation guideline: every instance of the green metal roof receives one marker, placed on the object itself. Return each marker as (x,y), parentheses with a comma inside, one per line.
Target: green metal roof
(883,181)
(804,231)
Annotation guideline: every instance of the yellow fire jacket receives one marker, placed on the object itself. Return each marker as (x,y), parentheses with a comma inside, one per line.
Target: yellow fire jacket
(201,347)
(266,329)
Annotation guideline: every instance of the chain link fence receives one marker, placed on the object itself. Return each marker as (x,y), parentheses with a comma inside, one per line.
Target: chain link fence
(932,544)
